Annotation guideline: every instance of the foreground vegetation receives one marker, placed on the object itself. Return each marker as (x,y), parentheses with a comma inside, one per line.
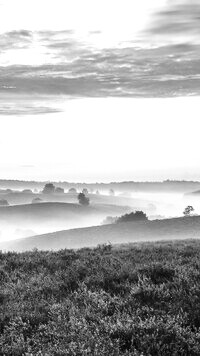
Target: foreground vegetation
(141,299)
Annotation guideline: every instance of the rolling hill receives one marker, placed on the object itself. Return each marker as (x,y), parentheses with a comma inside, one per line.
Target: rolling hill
(55,210)
(18,220)
(168,229)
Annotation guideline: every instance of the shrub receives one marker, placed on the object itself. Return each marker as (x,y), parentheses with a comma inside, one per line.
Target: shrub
(134,216)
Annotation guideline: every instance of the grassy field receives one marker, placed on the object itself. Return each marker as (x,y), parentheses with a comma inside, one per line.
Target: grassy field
(137,299)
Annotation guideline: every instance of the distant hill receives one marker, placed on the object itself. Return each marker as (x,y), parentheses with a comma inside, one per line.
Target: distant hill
(131,186)
(196,192)
(168,229)
(54,211)
(15,198)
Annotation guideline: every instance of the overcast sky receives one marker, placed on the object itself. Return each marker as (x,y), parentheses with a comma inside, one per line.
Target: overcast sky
(99,89)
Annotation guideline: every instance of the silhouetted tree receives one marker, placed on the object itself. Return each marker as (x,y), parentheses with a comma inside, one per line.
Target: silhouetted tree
(134,216)
(59,190)
(83,200)
(85,191)
(36,200)
(109,220)
(72,191)
(188,210)
(49,188)
(111,192)
(27,191)
(3,202)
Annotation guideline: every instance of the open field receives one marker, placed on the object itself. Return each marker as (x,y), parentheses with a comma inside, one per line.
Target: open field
(177,228)
(139,299)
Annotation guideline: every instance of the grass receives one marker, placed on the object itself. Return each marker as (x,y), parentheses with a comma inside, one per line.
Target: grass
(139,299)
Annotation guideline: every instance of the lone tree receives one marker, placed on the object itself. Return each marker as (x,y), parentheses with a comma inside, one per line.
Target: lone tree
(36,200)
(83,200)
(49,188)
(188,210)
(111,192)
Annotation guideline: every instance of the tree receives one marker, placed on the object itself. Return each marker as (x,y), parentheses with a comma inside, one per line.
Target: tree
(97,192)
(109,220)
(134,216)
(72,191)
(188,210)
(36,200)
(49,188)
(4,202)
(27,191)
(85,191)
(59,190)
(111,192)
(83,200)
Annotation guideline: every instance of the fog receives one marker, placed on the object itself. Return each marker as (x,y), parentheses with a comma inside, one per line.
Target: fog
(57,212)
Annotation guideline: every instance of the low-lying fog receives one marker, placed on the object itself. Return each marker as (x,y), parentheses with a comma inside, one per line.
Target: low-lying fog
(29,213)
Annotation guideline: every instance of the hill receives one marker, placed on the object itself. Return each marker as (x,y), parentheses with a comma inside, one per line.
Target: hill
(177,228)
(196,192)
(55,210)
(15,198)
(17,221)
(130,186)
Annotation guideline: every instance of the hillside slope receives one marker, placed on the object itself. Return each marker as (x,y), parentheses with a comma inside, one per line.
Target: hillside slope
(177,228)
(55,210)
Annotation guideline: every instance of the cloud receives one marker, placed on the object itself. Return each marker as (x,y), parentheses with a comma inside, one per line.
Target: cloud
(15,40)
(27,110)
(171,70)
(178,18)
(13,103)
(77,69)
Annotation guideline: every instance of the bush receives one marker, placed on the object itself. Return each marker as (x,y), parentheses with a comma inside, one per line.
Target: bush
(134,216)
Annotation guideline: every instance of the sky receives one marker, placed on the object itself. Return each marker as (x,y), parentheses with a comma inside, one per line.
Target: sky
(99,90)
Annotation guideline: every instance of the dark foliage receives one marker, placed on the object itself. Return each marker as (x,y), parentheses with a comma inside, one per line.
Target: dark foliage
(72,191)
(141,299)
(83,200)
(134,216)
(3,202)
(109,220)
(49,188)
(59,190)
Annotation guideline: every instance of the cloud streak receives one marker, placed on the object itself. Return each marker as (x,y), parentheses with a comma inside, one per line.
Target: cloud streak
(71,65)
(15,40)
(178,18)
(166,71)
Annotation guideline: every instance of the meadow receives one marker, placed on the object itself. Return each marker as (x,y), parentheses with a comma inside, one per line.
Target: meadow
(138,299)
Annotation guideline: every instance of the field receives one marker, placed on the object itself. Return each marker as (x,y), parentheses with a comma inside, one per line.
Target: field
(137,299)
